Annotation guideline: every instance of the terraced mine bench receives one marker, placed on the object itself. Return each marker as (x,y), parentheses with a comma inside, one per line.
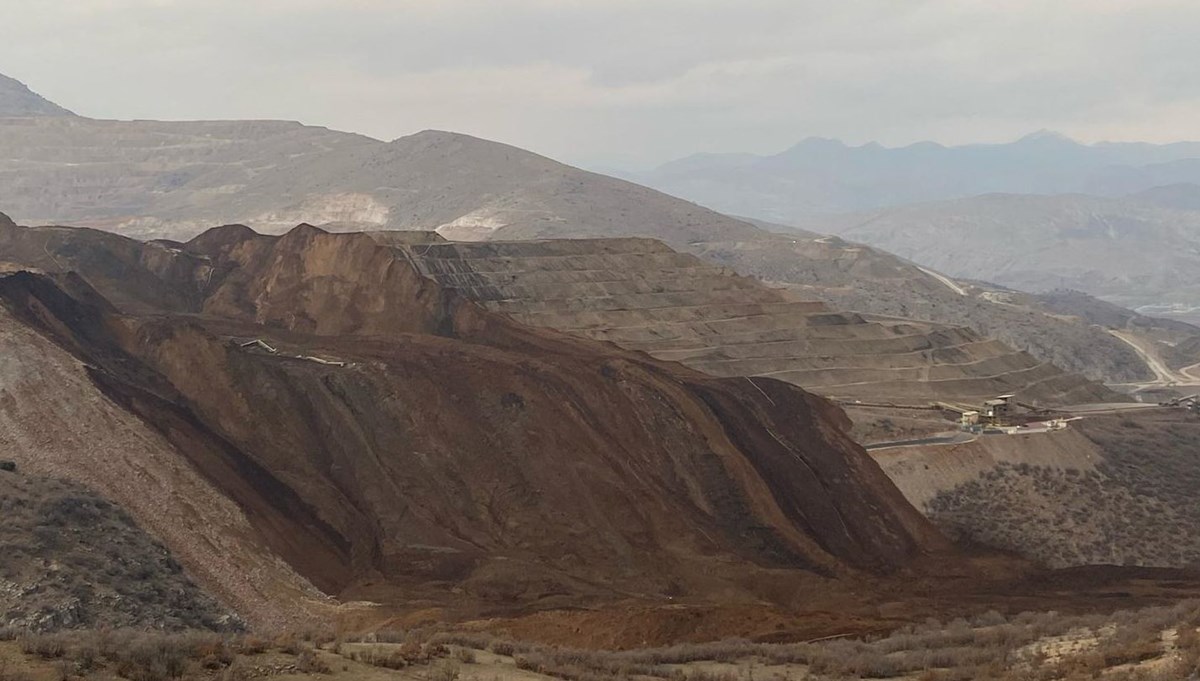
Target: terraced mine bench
(642,295)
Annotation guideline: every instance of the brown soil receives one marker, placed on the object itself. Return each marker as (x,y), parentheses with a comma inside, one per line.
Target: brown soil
(393,442)
(457,459)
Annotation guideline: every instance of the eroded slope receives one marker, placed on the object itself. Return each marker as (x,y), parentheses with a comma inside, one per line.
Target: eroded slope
(56,420)
(393,440)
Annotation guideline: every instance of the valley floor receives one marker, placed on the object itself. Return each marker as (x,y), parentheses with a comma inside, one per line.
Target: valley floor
(1149,644)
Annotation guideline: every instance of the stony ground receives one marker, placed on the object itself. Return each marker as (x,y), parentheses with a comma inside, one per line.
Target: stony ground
(72,559)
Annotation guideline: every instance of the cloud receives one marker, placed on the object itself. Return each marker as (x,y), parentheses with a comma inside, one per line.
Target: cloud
(634,81)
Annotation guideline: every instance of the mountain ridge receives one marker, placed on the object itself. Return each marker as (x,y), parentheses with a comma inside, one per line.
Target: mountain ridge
(272,175)
(18,101)
(821,175)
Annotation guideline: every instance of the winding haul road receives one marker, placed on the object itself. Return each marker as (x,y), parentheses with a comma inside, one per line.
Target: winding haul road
(1163,375)
(945,280)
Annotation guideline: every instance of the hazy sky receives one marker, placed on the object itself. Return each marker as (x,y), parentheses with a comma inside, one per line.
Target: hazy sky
(627,82)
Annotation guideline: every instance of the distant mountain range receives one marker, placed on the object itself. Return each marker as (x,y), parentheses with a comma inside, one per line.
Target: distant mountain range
(1140,251)
(1117,220)
(827,176)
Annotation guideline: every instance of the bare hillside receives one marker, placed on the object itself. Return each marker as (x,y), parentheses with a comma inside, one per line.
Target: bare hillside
(853,276)
(17,100)
(642,295)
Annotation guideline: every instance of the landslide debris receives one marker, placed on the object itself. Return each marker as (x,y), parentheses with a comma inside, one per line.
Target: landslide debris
(396,442)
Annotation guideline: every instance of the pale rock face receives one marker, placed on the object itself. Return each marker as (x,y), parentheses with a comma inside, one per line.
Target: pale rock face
(474,226)
(354,210)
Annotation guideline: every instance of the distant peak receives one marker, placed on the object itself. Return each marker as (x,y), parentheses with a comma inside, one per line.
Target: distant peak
(818,143)
(434,137)
(304,230)
(18,101)
(6,221)
(217,239)
(1044,136)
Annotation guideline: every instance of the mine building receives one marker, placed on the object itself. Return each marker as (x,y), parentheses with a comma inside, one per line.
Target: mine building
(998,409)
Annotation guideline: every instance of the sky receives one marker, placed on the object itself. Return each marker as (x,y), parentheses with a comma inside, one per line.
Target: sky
(628,84)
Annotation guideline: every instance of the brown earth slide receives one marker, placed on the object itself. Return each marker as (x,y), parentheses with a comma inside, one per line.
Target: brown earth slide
(314,397)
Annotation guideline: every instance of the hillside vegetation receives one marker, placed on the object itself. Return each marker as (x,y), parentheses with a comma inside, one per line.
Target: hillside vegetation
(74,560)
(1149,644)
(1135,505)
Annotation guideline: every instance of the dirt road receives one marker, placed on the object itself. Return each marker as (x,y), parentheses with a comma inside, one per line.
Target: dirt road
(1163,375)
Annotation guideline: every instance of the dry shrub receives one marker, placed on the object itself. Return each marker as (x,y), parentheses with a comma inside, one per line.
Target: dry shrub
(387,660)
(446,670)
(505,648)
(251,645)
(45,646)
(409,653)
(308,662)
(289,644)
(9,674)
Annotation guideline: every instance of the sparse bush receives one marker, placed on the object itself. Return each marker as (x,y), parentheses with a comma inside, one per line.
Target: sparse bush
(505,648)
(251,645)
(308,662)
(45,646)
(446,670)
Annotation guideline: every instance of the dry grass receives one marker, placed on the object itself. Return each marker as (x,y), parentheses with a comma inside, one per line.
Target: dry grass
(1152,644)
(990,646)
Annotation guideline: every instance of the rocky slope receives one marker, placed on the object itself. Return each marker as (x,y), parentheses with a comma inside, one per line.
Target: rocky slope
(392,441)
(853,276)
(74,560)
(17,101)
(57,421)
